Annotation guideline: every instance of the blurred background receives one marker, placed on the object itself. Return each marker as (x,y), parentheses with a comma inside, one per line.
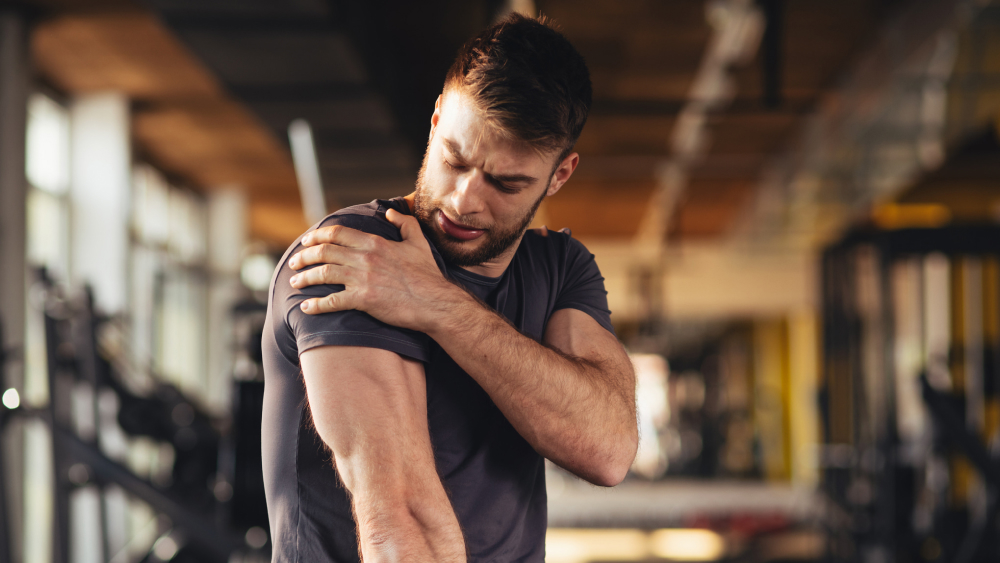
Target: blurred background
(795,204)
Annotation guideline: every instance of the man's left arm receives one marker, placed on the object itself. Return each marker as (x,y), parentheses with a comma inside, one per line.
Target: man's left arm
(572,397)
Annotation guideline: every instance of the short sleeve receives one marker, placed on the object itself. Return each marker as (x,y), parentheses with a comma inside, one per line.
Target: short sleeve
(583,285)
(344,328)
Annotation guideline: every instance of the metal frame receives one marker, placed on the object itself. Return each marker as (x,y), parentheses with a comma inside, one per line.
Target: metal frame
(70,326)
(885,521)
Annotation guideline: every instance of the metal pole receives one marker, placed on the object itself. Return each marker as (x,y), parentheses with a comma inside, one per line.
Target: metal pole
(13,193)
(56,417)
(5,547)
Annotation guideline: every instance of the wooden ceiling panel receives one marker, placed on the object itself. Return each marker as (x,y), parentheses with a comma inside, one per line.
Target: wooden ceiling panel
(750,133)
(614,84)
(247,57)
(277,222)
(663,49)
(600,209)
(215,144)
(600,17)
(710,207)
(625,135)
(251,8)
(601,52)
(646,50)
(183,121)
(344,115)
(819,40)
(743,165)
(643,56)
(125,51)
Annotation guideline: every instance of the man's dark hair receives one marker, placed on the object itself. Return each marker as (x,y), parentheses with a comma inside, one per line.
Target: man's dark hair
(527,81)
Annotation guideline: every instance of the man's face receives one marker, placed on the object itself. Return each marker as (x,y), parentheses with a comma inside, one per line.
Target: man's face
(476,194)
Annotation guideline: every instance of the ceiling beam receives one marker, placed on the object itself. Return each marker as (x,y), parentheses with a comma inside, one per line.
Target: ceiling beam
(349,139)
(322,91)
(771,51)
(236,22)
(739,106)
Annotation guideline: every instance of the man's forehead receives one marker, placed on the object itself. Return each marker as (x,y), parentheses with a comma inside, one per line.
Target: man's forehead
(465,132)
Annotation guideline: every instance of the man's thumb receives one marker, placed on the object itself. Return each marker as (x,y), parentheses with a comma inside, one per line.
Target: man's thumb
(405,223)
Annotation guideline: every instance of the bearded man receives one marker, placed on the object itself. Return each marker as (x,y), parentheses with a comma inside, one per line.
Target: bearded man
(425,354)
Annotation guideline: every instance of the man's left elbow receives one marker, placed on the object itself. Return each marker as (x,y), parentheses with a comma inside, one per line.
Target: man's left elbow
(617,467)
(611,477)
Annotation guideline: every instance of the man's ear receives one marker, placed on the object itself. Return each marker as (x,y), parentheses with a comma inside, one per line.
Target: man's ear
(435,117)
(563,172)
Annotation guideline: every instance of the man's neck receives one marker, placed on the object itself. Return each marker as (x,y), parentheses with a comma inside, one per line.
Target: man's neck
(496,267)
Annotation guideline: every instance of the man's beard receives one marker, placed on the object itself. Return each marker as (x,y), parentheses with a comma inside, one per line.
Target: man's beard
(494,240)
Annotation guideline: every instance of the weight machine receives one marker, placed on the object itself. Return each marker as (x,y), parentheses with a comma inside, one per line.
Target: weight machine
(209,500)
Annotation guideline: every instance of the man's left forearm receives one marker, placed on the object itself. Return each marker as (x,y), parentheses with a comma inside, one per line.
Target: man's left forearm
(572,399)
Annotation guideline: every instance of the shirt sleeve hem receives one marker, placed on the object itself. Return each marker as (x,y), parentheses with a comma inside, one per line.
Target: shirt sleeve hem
(364,340)
(599,316)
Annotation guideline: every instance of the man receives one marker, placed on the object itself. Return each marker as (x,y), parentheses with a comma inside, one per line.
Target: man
(444,349)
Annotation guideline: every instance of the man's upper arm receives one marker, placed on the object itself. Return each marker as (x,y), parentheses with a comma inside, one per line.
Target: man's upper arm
(576,333)
(364,379)
(581,323)
(369,406)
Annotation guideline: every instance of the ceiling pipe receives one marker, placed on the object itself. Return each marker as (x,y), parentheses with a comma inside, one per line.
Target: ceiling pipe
(881,127)
(738,26)
(307,171)
(771,51)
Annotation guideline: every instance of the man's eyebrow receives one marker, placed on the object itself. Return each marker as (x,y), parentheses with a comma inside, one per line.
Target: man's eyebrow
(501,178)
(454,149)
(512,178)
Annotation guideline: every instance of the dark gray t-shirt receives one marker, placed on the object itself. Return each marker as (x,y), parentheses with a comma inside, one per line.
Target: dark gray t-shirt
(495,479)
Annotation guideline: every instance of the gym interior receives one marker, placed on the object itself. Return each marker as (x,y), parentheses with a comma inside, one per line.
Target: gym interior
(795,206)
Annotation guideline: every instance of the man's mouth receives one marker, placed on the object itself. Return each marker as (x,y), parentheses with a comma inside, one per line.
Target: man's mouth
(461,232)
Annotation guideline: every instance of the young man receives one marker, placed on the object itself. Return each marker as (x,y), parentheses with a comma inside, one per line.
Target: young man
(424,354)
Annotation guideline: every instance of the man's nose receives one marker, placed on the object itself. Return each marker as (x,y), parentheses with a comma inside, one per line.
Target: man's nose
(467,198)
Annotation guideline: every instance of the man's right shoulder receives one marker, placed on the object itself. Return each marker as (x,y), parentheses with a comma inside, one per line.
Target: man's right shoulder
(297,332)
(368,217)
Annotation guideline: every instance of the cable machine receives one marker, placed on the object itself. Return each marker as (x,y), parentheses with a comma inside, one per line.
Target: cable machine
(910,395)
(203,504)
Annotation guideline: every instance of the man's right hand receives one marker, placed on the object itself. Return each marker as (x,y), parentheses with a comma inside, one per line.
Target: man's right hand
(398,283)
(370,408)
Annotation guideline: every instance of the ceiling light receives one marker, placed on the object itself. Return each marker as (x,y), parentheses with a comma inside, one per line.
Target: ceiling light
(165,548)
(580,545)
(11,399)
(256,271)
(584,545)
(687,544)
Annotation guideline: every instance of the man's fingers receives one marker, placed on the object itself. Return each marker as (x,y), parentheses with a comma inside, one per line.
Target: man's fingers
(340,301)
(339,235)
(323,254)
(325,274)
